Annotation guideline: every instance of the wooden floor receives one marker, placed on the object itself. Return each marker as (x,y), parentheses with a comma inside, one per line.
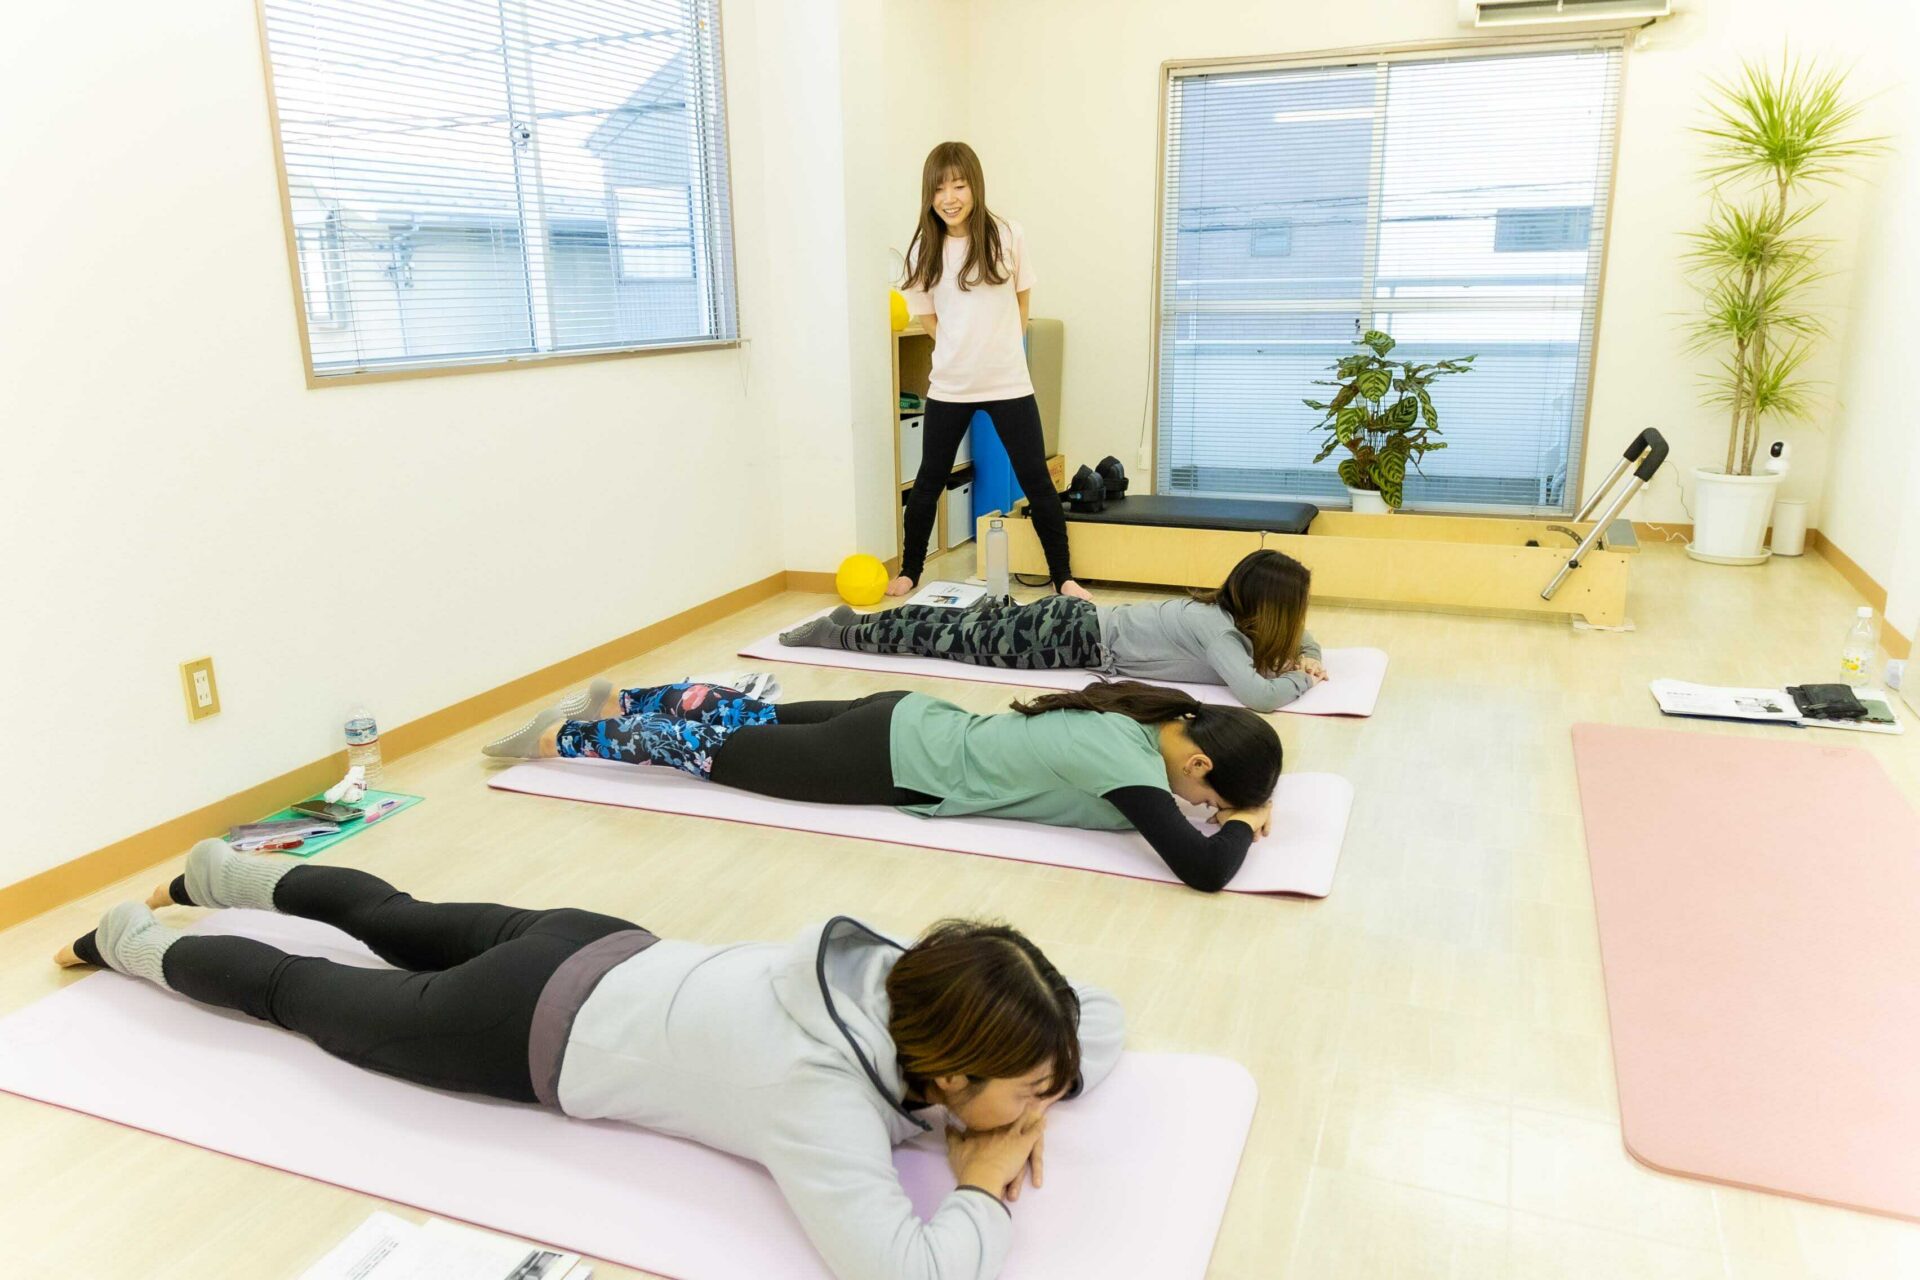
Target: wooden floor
(1436,1091)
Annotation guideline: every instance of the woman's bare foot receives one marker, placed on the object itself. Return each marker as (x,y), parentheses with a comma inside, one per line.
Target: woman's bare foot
(1074,589)
(161,897)
(900,586)
(67,958)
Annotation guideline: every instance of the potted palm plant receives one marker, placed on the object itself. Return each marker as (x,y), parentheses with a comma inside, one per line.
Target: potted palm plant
(1771,135)
(1381,439)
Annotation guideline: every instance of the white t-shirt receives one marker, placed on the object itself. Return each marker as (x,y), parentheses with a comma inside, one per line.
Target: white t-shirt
(979,352)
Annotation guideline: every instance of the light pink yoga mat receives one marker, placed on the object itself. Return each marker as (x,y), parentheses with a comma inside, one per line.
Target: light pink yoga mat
(1759,910)
(1351,689)
(1309,823)
(1138,1171)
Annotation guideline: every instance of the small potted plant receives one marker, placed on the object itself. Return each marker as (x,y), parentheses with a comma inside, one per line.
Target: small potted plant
(1771,134)
(1382,438)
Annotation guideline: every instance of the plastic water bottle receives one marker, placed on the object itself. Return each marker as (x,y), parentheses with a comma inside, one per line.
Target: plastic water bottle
(363,744)
(1856,659)
(996,560)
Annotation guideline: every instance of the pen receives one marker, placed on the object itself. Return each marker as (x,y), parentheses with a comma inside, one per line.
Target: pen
(380,811)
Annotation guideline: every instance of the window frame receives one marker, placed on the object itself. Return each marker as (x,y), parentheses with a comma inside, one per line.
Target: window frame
(723,267)
(1619,39)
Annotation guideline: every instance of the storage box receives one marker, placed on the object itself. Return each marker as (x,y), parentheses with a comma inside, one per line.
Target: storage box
(964,454)
(959,513)
(1057,468)
(912,432)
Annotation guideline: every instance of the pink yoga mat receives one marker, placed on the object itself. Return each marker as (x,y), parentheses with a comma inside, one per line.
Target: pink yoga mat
(1309,823)
(1138,1171)
(1759,910)
(1351,689)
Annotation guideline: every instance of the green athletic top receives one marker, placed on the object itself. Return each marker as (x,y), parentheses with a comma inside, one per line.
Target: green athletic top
(1052,768)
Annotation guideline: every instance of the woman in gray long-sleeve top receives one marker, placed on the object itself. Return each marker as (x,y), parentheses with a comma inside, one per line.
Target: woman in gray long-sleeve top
(814,1057)
(1249,635)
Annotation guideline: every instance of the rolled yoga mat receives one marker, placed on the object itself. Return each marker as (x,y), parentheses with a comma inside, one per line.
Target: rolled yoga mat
(1138,1171)
(1309,823)
(1351,689)
(1759,912)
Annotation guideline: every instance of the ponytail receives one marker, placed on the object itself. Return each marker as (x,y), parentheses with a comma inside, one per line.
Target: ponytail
(1244,748)
(1147,703)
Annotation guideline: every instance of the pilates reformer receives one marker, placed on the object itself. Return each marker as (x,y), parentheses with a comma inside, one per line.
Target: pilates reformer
(1445,562)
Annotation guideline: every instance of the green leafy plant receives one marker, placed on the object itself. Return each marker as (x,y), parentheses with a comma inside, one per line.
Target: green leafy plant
(1383,439)
(1771,133)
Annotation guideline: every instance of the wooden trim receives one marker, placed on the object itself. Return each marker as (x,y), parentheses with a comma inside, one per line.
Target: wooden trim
(1862,581)
(814,583)
(1896,643)
(1573,492)
(286,199)
(522,360)
(93,871)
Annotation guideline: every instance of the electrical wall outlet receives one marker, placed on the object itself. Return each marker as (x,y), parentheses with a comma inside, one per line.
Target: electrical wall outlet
(203,695)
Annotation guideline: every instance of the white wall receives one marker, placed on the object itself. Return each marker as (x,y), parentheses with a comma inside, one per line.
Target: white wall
(1067,121)
(929,100)
(174,490)
(1873,491)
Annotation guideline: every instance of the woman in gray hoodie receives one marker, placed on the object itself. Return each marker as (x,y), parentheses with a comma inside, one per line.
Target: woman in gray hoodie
(1249,635)
(813,1058)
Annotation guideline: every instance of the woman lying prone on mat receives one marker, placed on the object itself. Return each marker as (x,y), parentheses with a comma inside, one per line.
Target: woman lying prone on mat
(1107,758)
(1250,635)
(813,1058)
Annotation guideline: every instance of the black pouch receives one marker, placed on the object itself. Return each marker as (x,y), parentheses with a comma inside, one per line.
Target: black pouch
(1827,702)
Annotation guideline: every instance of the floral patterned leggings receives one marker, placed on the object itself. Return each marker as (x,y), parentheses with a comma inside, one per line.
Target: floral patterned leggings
(677,725)
(824,752)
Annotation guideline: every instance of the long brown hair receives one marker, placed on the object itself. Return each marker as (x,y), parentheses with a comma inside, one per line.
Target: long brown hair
(980,1000)
(1266,596)
(926,255)
(1244,748)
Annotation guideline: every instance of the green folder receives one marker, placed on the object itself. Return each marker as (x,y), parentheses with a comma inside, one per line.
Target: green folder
(348,830)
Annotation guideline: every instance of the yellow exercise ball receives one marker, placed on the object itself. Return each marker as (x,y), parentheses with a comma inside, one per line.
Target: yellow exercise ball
(897,309)
(861,580)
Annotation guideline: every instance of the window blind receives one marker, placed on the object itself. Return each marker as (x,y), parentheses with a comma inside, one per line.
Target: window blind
(1456,202)
(473,181)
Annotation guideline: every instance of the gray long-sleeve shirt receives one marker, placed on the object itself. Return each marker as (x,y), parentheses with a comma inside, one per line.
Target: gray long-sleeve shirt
(780,1053)
(1185,640)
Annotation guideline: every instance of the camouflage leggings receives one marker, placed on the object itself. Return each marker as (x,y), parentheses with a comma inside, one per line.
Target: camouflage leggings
(1051,634)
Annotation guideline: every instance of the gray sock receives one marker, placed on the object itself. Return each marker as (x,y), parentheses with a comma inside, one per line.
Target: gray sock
(525,744)
(131,941)
(844,615)
(218,875)
(821,633)
(588,704)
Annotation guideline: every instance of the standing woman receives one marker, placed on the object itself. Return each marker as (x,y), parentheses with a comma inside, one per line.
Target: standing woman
(968,278)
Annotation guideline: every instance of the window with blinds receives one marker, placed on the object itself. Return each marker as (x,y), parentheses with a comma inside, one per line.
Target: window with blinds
(1457,202)
(481,181)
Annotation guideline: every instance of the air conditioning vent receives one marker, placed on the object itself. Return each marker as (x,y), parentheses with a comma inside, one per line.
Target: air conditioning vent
(1508,14)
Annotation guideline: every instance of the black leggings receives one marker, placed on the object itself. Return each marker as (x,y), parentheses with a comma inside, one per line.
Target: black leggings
(829,752)
(456,1014)
(1018,424)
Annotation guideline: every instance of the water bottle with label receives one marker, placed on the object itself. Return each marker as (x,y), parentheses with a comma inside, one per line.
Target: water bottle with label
(1856,658)
(363,744)
(996,560)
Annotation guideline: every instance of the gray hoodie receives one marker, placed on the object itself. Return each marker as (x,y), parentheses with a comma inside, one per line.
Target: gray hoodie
(780,1054)
(1184,640)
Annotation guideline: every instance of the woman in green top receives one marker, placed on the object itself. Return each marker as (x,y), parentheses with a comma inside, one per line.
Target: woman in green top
(1109,757)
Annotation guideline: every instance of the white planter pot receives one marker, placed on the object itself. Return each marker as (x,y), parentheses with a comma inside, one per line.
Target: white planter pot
(1368,502)
(1730,516)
